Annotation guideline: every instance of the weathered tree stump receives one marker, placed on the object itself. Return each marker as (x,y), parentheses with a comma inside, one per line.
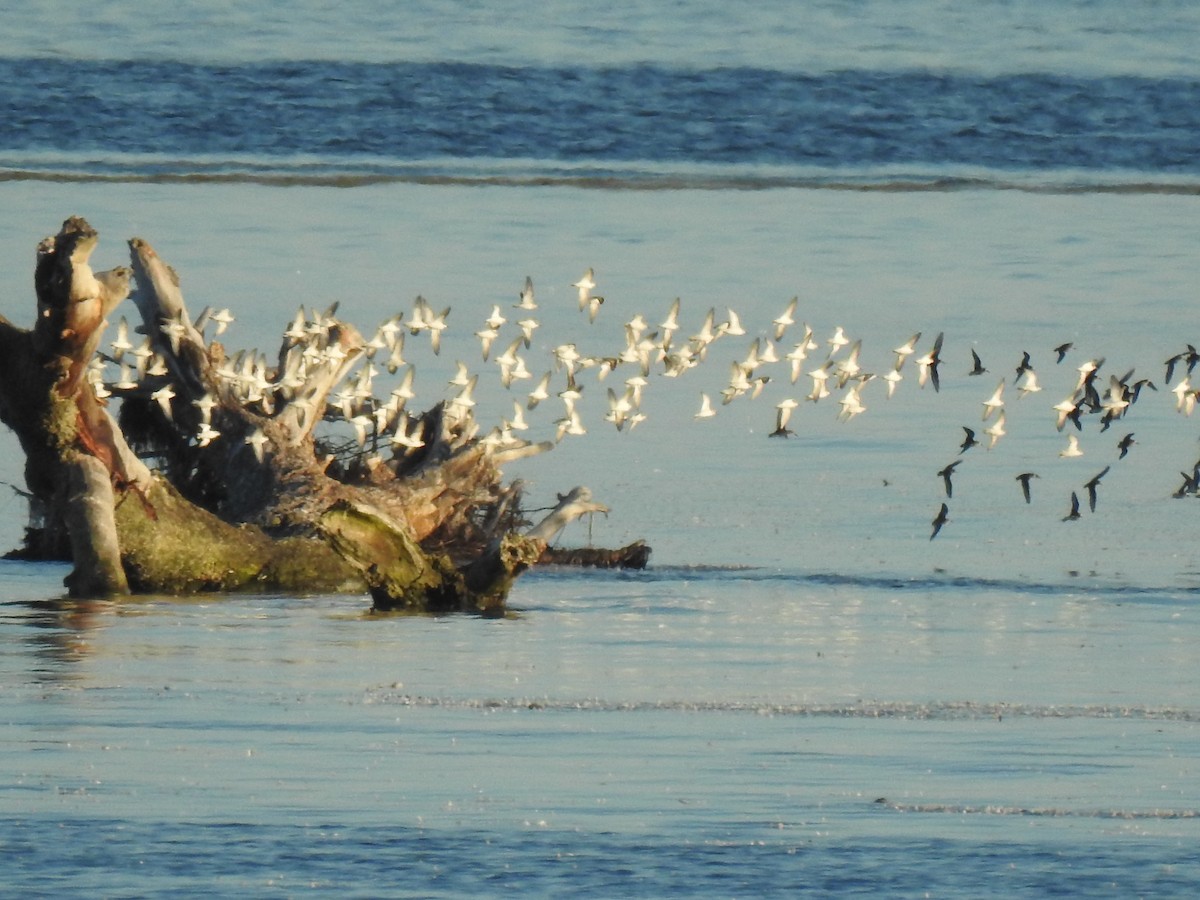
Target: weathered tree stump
(212,478)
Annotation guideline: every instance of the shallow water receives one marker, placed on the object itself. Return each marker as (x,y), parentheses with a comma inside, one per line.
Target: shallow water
(678,732)
(1020,691)
(803,694)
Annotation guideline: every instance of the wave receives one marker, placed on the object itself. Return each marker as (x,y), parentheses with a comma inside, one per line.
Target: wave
(1039,811)
(183,172)
(948,710)
(935,582)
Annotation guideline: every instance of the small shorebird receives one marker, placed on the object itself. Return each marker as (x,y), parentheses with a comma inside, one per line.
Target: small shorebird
(527,301)
(540,392)
(163,397)
(1092,485)
(584,285)
(995,431)
(968,441)
(784,319)
(223,318)
(943,516)
(257,442)
(1024,479)
(995,402)
(906,350)
(838,341)
(1029,384)
(732,326)
(1023,366)
(976,364)
(892,378)
(928,364)
(946,473)
(495,320)
(121,342)
(782,417)
(207,434)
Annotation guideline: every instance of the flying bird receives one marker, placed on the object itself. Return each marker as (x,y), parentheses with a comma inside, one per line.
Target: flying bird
(1074,513)
(928,364)
(163,397)
(1091,488)
(257,441)
(904,351)
(939,520)
(995,402)
(585,285)
(784,414)
(527,301)
(1023,366)
(976,364)
(946,473)
(1061,350)
(1124,444)
(1024,479)
(1029,384)
(784,319)
(968,441)
(995,431)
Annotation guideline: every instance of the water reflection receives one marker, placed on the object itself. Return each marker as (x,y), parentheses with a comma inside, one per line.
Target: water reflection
(58,634)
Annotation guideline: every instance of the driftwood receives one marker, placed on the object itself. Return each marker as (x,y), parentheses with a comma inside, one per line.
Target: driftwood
(212,476)
(631,556)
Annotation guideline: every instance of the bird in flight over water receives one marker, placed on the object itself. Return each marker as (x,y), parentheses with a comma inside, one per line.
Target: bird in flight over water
(939,520)
(1024,479)
(1091,488)
(968,441)
(946,473)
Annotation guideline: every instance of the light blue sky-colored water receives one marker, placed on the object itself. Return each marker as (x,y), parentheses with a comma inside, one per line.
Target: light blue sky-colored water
(1111,273)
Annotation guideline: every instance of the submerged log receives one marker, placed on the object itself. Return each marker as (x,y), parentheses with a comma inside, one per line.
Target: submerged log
(631,556)
(213,477)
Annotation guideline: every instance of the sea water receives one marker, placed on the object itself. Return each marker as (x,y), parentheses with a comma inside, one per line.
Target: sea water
(803,693)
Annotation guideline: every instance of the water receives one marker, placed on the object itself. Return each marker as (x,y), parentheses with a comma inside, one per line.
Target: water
(1019,694)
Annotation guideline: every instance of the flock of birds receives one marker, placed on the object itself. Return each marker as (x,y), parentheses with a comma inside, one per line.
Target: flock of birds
(787,349)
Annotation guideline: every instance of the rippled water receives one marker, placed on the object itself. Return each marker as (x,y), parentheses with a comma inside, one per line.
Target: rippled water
(680,732)
(804,693)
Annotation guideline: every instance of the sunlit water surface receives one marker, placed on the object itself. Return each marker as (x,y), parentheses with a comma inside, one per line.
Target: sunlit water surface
(803,693)
(675,732)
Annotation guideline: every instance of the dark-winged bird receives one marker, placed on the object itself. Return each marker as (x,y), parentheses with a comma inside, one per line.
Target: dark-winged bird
(928,364)
(968,441)
(976,364)
(939,520)
(1091,488)
(946,473)
(1024,479)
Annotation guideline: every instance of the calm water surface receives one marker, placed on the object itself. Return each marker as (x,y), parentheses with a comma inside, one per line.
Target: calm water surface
(804,693)
(676,732)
